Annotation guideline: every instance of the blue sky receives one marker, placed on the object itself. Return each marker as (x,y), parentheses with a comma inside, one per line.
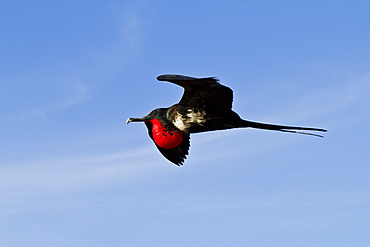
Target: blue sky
(72,173)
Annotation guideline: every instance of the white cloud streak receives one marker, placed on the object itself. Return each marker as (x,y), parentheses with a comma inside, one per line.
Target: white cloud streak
(324,102)
(132,29)
(24,178)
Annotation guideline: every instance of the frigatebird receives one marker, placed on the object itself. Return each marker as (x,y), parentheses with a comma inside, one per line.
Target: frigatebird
(204,106)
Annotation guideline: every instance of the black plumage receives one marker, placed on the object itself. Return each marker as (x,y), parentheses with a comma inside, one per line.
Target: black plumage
(206,105)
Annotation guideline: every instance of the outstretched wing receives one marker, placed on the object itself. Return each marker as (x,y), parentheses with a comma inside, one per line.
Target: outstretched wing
(205,93)
(178,154)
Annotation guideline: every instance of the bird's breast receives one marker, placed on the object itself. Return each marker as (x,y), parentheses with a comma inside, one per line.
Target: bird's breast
(163,137)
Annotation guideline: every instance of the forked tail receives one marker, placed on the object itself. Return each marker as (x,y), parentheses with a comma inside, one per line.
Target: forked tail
(282,128)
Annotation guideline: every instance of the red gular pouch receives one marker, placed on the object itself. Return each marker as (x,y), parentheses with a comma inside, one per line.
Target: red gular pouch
(164,138)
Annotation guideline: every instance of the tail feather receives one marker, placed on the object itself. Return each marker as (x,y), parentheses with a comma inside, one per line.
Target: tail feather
(282,128)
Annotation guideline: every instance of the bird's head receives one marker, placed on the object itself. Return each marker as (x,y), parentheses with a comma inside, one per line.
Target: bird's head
(159,113)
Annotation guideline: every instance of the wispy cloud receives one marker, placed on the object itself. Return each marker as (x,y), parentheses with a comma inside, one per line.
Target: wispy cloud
(73,93)
(24,179)
(55,91)
(132,28)
(57,95)
(327,101)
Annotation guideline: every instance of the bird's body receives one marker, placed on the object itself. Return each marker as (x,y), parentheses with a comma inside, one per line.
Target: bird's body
(205,106)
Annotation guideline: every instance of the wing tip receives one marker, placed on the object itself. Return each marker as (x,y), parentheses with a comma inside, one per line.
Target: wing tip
(172,77)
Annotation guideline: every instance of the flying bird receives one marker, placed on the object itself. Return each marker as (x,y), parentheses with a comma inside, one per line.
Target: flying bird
(204,106)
